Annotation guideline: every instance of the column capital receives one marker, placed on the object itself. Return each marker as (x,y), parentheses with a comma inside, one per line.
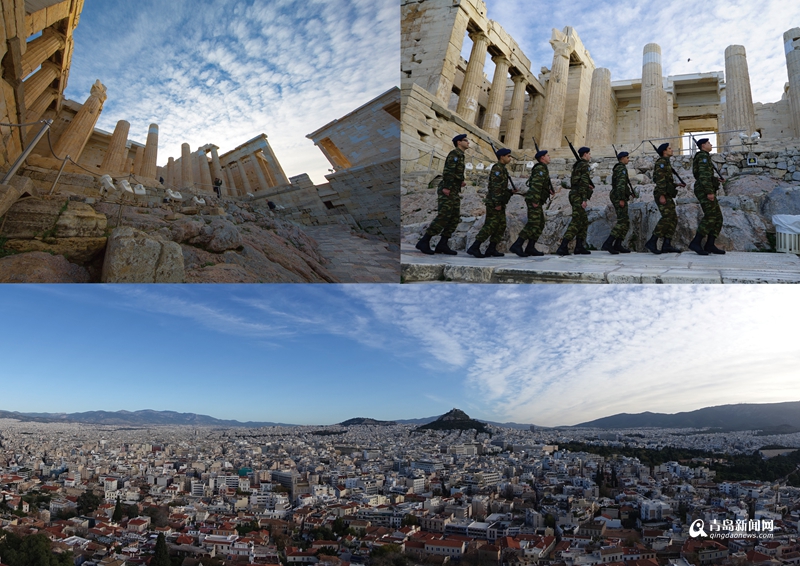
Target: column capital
(478,36)
(517,79)
(561,48)
(500,59)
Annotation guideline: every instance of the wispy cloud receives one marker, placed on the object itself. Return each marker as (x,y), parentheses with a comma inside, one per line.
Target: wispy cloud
(692,37)
(225,71)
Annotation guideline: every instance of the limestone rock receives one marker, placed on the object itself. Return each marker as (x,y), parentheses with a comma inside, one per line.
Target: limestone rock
(54,217)
(185,229)
(76,250)
(784,199)
(80,221)
(40,267)
(135,257)
(218,236)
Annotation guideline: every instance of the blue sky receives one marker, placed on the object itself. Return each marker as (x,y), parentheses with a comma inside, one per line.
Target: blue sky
(224,71)
(305,354)
(692,35)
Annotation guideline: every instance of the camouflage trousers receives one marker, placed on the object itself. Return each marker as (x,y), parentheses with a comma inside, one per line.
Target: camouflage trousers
(494,227)
(448,217)
(711,224)
(669,219)
(579,224)
(620,229)
(535,226)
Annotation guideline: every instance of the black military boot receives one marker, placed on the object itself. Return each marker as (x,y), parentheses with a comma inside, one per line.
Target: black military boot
(696,245)
(668,248)
(443,248)
(619,247)
(711,248)
(652,244)
(530,249)
(608,246)
(516,247)
(492,251)
(424,245)
(563,249)
(475,249)
(579,249)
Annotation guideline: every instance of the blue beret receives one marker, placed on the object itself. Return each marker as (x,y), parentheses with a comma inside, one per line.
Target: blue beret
(502,152)
(662,148)
(701,142)
(583,150)
(622,154)
(459,137)
(540,154)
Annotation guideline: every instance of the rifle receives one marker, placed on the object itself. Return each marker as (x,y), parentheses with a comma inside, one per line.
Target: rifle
(577,157)
(719,174)
(634,193)
(513,186)
(681,181)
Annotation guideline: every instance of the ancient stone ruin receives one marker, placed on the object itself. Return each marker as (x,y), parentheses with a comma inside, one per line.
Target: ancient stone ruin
(443,95)
(81,204)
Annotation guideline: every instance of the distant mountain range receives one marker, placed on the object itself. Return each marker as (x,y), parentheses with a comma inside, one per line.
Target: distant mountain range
(777,417)
(769,417)
(145,417)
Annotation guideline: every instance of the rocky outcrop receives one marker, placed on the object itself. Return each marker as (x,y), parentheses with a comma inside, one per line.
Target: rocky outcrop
(40,267)
(135,257)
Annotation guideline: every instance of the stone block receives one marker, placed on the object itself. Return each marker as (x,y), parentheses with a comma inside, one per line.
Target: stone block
(8,196)
(135,257)
(76,250)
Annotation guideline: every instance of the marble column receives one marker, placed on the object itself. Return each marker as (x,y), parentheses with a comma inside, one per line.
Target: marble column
(151,153)
(516,113)
(441,85)
(35,112)
(138,160)
(216,170)
(262,180)
(601,120)
(187,179)
(114,159)
(497,97)
(533,121)
(473,78)
(40,49)
(274,165)
(245,182)
(171,172)
(38,82)
(791,43)
(555,99)
(654,111)
(73,140)
(205,172)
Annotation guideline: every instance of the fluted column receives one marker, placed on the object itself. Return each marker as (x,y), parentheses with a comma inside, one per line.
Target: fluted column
(516,112)
(73,140)
(36,84)
(35,112)
(114,159)
(554,104)
(791,43)
(242,172)
(205,173)
(170,172)
(40,49)
(216,170)
(138,160)
(497,97)
(151,153)
(231,184)
(653,113)
(262,180)
(533,121)
(600,125)
(187,180)
(473,78)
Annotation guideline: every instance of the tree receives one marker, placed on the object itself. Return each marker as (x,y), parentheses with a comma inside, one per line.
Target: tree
(161,555)
(34,550)
(131,510)
(117,515)
(159,515)
(88,502)
(409,520)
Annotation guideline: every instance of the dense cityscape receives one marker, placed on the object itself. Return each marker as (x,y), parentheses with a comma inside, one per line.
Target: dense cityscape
(396,495)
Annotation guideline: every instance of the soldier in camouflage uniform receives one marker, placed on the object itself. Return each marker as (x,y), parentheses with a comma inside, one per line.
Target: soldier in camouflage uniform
(449,200)
(664,195)
(706,186)
(579,195)
(620,195)
(494,227)
(539,191)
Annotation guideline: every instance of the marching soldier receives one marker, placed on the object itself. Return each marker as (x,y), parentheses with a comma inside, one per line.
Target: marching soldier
(705,189)
(620,195)
(494,227)
(664,195)
(539,190)
(449,200)
(579,195)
